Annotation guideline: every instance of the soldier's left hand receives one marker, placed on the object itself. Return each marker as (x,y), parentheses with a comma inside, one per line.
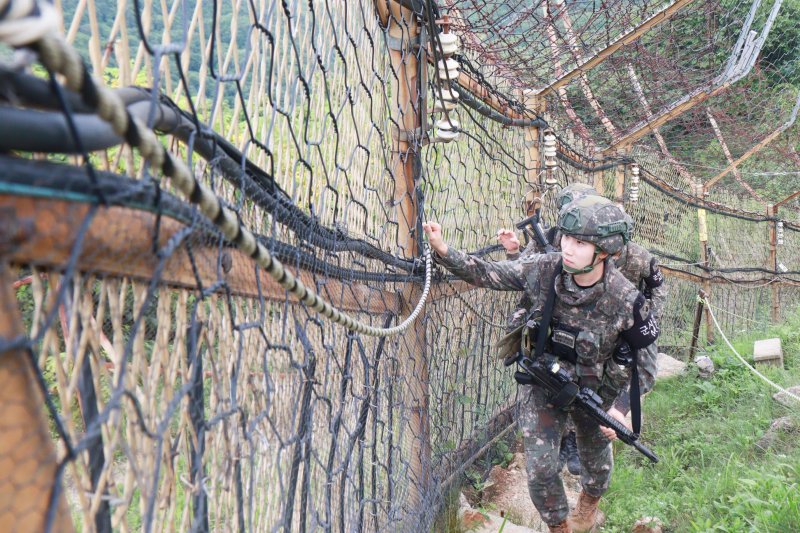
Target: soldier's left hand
(508,239)
(434,232)
(609,433)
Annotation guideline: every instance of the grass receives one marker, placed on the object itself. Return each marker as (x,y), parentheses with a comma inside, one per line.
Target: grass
(712,476)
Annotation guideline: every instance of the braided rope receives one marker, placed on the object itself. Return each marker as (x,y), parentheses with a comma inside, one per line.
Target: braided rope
(26,21)
(59,56)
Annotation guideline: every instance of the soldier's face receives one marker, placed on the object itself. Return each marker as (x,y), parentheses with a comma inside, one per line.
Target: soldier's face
(576,253)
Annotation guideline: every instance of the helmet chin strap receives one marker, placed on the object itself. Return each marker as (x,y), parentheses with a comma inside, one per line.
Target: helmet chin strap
(588,268)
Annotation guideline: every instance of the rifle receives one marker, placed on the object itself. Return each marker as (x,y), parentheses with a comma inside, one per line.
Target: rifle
(535,222)
(548,374)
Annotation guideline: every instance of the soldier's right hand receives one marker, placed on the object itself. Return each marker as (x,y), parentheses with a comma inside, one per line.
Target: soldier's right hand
(434,232)
(609,433)
(508,239)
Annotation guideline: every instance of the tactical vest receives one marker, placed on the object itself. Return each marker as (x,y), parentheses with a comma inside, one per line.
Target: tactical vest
(586,322)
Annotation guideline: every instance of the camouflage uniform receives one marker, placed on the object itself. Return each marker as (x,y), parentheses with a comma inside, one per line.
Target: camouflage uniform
(524,305)
(637,264)
(607,308)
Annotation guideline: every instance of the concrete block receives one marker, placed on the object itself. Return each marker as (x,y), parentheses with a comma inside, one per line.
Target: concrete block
(768,351)
(669,366)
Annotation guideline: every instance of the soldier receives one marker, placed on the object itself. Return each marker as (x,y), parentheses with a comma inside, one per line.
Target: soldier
(508,238)
(511,244)
(594,307)
(569,449)
(640,267)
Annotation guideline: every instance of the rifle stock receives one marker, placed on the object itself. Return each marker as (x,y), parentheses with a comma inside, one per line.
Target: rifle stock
(534,221)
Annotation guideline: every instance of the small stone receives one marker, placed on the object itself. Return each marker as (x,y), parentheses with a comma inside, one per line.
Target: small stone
(768,351)
(471,520)
(463,504)
(784,399)
(669,366)
(648,524)
(705,366)
(785,424)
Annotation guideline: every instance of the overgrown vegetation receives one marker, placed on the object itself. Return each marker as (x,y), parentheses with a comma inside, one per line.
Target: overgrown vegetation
(712,475)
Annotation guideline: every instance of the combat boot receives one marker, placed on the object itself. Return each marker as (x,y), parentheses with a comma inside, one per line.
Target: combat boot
(586,516)
(570,448)
(562,527)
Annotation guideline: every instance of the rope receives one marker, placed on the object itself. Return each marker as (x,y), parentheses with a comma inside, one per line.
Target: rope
(745,363)
(26,21)
(56,55)
(729,313)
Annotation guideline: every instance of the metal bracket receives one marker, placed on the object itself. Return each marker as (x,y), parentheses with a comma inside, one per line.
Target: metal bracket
(396,43)
(417,135)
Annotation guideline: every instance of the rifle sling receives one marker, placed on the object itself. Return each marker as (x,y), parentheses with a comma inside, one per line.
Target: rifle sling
(547,314)
(634,393)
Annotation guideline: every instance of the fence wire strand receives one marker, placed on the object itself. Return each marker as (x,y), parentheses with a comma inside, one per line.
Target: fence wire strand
(210,221)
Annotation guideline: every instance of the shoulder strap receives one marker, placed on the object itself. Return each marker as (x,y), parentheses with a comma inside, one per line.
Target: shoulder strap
(634,394)
(547,314)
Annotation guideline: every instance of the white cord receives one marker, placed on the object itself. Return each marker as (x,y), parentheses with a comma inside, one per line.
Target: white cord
(748,365)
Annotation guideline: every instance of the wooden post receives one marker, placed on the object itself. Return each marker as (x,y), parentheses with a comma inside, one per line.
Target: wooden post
(702,230)
(698,317)
(598,182)
(403,29)
(619,183)
(772,212)
(533,154)
(28,460)
(404,32)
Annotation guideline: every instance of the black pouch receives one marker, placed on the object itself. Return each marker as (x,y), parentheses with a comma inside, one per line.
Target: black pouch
(562,343)
(519,341)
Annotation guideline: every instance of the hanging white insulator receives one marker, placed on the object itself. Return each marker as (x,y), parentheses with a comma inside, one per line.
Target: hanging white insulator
(449,99)
(450,44)
(634,174)
(779,232)
(633,195)
(439,106)
(446,130)
(550,181)
(447,93)
(550,149)
(448,69)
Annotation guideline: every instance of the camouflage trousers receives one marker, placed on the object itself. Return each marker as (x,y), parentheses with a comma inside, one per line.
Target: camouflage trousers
(542,427)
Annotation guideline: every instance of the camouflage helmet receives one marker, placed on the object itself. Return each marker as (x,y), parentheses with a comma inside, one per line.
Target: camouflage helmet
(596,219)
(573,192)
